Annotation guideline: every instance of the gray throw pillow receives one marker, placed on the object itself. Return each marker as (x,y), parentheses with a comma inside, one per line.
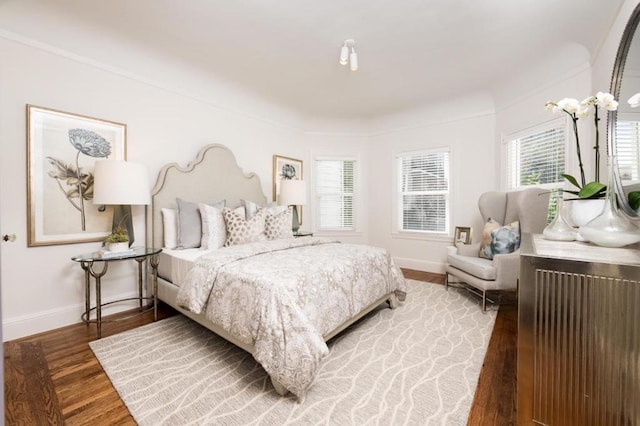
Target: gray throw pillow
(190,223)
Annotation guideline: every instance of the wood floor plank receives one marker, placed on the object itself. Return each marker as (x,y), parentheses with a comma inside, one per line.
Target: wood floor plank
(17,410)
(495,398)
(84,394)
(41,393)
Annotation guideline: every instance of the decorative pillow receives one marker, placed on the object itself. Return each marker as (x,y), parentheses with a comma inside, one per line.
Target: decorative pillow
(241,230)
(190,223)
(278,225)
(170,227)
(497,239)
(250,208)
(214,231)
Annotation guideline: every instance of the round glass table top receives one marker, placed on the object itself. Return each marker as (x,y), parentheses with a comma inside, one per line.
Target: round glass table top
(106,255)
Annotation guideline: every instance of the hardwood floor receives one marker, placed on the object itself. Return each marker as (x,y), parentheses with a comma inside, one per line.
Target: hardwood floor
(53,378)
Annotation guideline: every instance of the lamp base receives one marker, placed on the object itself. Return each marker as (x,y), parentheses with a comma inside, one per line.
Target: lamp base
(122,218)
(296,220)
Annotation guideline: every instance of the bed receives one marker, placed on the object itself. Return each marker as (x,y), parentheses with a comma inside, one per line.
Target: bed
(279,299)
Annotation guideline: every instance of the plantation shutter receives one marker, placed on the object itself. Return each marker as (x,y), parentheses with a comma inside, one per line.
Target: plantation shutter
(536,157)
(424,191)
(335,191)
(628,149)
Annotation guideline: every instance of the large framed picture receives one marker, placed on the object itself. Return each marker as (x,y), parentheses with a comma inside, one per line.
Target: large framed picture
(62,149)
(284,168)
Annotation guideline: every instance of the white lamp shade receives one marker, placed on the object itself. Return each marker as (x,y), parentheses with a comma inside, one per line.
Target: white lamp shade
(353,60)
(120,183)
(293,192)
(344,54)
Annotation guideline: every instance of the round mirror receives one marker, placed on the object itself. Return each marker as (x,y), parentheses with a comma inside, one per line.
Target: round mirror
(624,124)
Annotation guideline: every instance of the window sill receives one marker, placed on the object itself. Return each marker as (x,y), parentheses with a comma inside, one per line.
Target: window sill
(337,233)
(443,238)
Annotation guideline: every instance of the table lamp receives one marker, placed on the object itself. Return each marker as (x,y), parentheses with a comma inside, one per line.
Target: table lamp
(293,193)
(121,184)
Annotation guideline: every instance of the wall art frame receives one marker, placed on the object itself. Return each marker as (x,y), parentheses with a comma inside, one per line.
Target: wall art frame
(462,235)
(62,149)
(286,168)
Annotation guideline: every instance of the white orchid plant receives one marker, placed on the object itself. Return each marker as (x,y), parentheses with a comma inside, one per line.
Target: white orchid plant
(576,110)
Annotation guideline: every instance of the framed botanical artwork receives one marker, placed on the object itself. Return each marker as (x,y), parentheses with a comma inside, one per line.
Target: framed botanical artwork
(62,149)
(284,168)
(462,235)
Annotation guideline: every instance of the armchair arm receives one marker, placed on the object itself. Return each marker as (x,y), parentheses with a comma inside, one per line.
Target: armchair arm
(471,250)
(507,269)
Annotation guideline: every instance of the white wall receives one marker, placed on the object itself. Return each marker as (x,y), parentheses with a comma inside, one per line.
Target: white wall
(41,287)
(171,112)
(466,126)
(528,111)
(342,144)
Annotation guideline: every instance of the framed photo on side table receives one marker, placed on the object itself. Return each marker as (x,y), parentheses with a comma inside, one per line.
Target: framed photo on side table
(62,149)
(462,235)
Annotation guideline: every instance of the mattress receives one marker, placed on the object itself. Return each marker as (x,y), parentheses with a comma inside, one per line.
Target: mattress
(175,264)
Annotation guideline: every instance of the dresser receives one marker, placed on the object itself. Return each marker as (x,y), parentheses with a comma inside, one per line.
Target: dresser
(578,334)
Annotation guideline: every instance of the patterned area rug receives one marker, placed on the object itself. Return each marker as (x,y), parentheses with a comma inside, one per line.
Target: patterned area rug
(418,364)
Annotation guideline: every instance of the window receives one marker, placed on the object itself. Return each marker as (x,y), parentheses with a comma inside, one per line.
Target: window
(536,157)
(628,149)
(335,191)
(424,191)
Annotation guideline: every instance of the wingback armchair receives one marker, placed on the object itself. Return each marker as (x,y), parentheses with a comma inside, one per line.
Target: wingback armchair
(481,275)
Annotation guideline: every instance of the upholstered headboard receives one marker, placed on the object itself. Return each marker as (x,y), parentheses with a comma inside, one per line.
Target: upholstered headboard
(213,175)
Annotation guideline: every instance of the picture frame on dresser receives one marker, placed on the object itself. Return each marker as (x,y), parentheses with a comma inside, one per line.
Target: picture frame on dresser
(62,149)
(462,235)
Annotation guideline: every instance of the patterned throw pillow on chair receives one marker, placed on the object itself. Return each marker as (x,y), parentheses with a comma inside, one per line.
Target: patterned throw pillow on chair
(497,239)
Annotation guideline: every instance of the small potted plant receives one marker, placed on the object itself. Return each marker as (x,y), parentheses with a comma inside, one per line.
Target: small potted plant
(118,240)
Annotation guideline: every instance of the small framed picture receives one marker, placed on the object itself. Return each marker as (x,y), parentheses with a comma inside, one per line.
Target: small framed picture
(462,235)
(284,168)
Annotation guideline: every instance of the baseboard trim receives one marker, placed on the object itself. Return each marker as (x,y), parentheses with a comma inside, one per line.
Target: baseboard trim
(420,265)
(27,325)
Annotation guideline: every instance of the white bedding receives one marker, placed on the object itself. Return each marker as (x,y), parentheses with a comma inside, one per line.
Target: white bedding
(175,264)
(283,296)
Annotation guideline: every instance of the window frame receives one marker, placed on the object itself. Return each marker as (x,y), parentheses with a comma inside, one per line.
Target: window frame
(632,117)
(355,196)
(569,152)
(397,215)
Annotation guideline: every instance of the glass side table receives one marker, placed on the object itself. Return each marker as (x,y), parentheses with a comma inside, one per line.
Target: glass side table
(88,263)
(302,234)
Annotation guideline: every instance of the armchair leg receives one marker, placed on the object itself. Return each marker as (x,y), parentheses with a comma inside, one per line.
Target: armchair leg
(484,301)
(446,281)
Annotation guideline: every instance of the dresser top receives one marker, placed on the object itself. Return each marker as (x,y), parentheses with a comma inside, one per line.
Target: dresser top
(537,246)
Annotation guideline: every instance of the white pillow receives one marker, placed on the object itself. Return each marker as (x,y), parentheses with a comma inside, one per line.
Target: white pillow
(190,223)
(250,208)
(170,227)
(214,231)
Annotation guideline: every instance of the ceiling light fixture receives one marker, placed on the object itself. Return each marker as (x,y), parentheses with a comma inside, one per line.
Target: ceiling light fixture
(348,54)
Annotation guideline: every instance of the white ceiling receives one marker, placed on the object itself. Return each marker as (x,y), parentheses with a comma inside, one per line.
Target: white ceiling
(411,52)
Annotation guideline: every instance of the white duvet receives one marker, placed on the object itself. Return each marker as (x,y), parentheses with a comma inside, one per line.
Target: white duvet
(283,296)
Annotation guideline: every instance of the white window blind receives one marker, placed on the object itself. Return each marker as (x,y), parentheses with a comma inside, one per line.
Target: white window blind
(628,149)
(335,191)
(424,191)
(536,157)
